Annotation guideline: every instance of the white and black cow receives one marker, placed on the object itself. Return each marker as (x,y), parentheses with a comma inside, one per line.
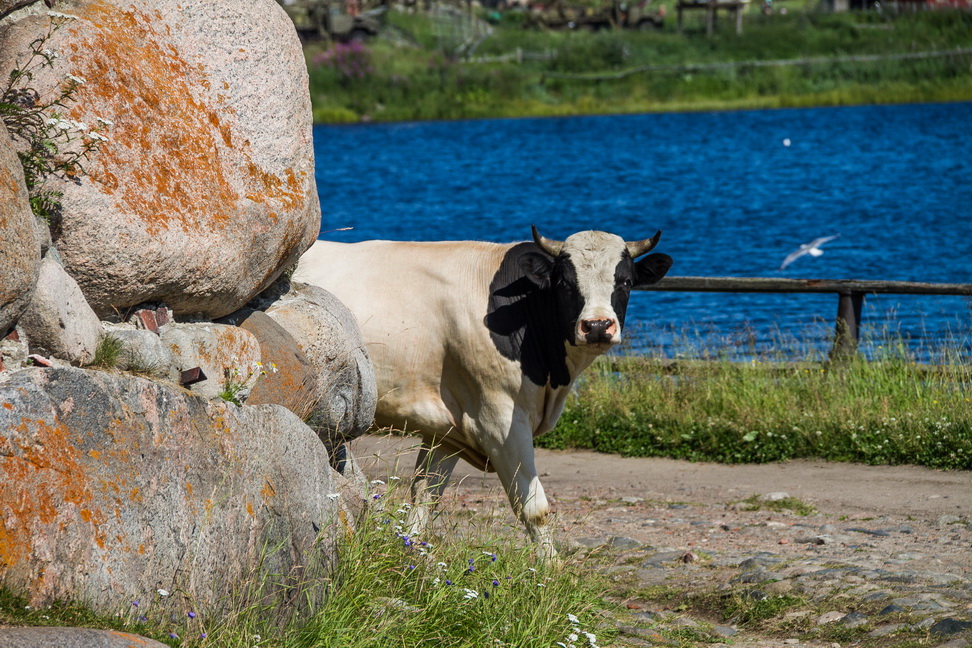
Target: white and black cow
(476,345)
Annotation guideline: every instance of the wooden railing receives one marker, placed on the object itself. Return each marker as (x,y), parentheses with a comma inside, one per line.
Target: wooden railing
(850,296)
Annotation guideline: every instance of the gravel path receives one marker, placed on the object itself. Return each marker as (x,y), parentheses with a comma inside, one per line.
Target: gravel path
(885,557)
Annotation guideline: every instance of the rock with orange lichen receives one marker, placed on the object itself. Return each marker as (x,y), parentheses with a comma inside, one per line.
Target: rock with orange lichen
(204,192)
(19,246)
(229,356)
(112,487)
(328,335)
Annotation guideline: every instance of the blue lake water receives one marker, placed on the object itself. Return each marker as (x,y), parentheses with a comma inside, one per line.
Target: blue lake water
(732,198)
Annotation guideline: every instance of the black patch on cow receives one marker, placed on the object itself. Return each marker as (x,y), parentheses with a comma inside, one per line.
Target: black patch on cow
(525,318)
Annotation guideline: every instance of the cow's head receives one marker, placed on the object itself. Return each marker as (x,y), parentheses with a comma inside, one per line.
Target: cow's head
(592,275)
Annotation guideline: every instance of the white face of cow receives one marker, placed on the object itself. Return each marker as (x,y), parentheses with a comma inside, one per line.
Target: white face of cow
(592,275)
(596,257)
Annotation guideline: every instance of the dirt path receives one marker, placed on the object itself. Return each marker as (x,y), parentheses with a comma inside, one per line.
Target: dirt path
(896,536)
(836,488)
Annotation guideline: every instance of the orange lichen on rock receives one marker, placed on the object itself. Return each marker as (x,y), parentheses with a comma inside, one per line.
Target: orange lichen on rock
(173,157)
(37,479)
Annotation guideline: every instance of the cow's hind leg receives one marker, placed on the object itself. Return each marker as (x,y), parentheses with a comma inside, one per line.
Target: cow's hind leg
(433,468)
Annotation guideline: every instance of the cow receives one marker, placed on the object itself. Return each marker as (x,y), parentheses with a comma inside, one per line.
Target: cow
(476,345)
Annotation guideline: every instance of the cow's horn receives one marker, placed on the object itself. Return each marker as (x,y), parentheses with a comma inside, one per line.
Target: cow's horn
(638,248)
(552,248)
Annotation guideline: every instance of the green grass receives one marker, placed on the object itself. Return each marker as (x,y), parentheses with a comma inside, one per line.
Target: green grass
(889,410)
(391,81)
(476,585)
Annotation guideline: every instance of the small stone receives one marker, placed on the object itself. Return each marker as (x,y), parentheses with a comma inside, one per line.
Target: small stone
(830,617)
(632,500)
(724,631)
(950,626)
(624,543)
(891,609)
(774,497)
(815,540)
(853,620)
(885,630)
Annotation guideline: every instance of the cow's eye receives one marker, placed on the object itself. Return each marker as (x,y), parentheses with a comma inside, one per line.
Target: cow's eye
(626,283)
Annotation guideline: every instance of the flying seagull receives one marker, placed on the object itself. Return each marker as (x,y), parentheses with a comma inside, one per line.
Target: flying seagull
(812,248)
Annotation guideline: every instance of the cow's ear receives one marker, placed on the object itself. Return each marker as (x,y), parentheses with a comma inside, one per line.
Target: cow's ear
(651,269)
(537,268)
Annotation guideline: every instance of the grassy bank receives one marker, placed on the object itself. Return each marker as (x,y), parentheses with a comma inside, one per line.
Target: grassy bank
(470,584)
(889,410)
(411,73)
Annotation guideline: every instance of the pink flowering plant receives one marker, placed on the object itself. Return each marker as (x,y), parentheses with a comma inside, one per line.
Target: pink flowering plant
(349,60)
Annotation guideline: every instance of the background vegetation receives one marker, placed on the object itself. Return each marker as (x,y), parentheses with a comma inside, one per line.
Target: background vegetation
(885,410)
(411,71)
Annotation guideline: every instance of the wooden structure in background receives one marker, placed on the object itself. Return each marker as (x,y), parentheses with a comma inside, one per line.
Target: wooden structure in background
(734,7)
(850,296)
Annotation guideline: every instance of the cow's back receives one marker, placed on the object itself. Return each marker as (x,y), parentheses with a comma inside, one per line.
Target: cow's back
(419,305)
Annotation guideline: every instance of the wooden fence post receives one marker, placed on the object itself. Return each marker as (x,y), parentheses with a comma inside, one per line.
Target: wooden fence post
(848,331)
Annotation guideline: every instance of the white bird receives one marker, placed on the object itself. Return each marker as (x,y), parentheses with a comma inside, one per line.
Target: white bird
(812,248)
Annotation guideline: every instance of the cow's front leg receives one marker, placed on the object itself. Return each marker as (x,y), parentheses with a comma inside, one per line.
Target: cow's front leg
(433,467)
(513,458)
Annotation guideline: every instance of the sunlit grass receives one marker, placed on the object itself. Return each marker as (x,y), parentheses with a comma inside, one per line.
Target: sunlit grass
(888,409)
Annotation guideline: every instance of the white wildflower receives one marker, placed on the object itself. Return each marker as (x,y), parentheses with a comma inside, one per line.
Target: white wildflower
(377,482)
(81,126)
(80,80)
(435,581)
(51,54)
(63,124)
(106,122)
(573,618)
(572,637)
(333,496)
(441,565)
(470,594)
(591,637)
(58,14)
(394,478)
(98,137)
(163,593)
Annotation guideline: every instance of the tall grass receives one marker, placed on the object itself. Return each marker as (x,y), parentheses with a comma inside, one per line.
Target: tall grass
(468,584)
(885,410)
(417,78)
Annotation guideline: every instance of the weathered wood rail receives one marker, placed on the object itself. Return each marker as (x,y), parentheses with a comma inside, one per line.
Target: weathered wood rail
(850,293)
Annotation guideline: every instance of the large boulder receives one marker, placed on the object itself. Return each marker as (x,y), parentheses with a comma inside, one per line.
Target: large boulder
(205,191)
(19,246)
(112,487)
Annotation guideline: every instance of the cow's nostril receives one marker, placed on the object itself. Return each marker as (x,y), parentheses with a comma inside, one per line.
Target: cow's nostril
(597,330)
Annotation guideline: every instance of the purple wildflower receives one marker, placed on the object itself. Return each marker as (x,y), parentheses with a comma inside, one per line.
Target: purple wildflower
(192,615)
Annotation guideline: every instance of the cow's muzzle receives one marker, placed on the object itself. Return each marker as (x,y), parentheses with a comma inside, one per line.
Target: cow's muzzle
(603,330)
